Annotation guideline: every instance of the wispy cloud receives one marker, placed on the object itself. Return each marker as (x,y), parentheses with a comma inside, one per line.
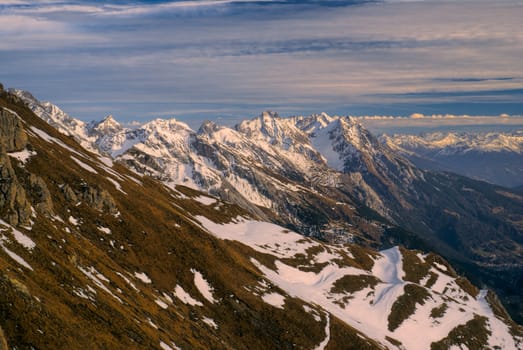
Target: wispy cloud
(234,57)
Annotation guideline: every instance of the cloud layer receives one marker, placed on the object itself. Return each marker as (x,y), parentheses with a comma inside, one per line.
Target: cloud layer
(231,59)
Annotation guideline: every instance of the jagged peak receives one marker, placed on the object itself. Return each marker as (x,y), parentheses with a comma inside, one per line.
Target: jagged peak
(314,122)
(269,115)
(163,125)
(208,127)
(108,124)
(109,119)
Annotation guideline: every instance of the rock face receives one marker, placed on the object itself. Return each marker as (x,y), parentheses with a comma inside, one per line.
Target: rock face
(42,197)
(98,199)
(12,134)
(13,199)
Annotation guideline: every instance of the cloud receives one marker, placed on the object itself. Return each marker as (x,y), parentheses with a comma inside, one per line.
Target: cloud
(114,8)
(16,24)
(236,57)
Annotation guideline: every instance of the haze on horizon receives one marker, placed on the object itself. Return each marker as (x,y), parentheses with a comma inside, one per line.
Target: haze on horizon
(230,59)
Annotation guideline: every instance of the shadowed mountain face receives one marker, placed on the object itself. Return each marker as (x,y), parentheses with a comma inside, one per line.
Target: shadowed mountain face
(326,177)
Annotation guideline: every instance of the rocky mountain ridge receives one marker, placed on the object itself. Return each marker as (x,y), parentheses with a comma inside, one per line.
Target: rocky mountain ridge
(115,259)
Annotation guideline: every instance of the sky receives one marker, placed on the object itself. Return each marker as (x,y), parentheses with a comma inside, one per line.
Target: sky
(227,60)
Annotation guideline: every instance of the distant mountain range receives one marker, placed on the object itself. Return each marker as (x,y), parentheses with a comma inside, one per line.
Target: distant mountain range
(495,157)
(207,220)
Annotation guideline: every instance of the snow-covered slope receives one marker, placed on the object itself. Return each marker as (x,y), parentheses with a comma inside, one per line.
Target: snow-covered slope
(396,297)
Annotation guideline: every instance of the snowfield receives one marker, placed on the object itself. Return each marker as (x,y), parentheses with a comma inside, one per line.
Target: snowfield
(368,308)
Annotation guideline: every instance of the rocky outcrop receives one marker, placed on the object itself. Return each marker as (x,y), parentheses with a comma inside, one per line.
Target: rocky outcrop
(12,134)
(95,197)
(13,199)
(98,199)
(41,195)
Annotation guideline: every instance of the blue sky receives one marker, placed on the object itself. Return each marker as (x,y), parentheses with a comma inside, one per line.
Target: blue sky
(228,59)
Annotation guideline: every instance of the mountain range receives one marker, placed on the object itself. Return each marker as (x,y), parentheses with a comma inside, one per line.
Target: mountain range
(496,157)
(123,237)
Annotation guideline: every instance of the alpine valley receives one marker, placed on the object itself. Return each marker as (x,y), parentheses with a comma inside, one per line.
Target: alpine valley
(278,233)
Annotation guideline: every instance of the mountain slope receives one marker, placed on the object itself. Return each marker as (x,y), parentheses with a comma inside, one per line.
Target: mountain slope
(328,177)
(93,255)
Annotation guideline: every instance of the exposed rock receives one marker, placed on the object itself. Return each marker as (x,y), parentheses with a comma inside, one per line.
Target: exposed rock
(69,194)
(13,199)
(96,198)
(41,195)
(99,199)
(12,133)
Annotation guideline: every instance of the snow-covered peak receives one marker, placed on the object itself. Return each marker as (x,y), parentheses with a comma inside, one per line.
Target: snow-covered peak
(214,133)
(166,126)
(269,127)
(460,143)
(356,133)
(51,113)
(314,122)
(268,116)
(106,126)
(208,127)
(57,118)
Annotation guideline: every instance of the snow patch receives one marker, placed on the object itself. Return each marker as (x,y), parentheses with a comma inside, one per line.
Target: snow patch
(73,220)
(165,346)
(274,299)
(105,230)
(16,257)
(210,322)
(203,286)
(185,297)
(21,238)
(128,281)
(116,184)
(107,161)
(23,156)
(97,278)
(325,341)
(142,277)
(313,312)
(161,303)
(261,236)
(85,166)
(42,134)
(205,200)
